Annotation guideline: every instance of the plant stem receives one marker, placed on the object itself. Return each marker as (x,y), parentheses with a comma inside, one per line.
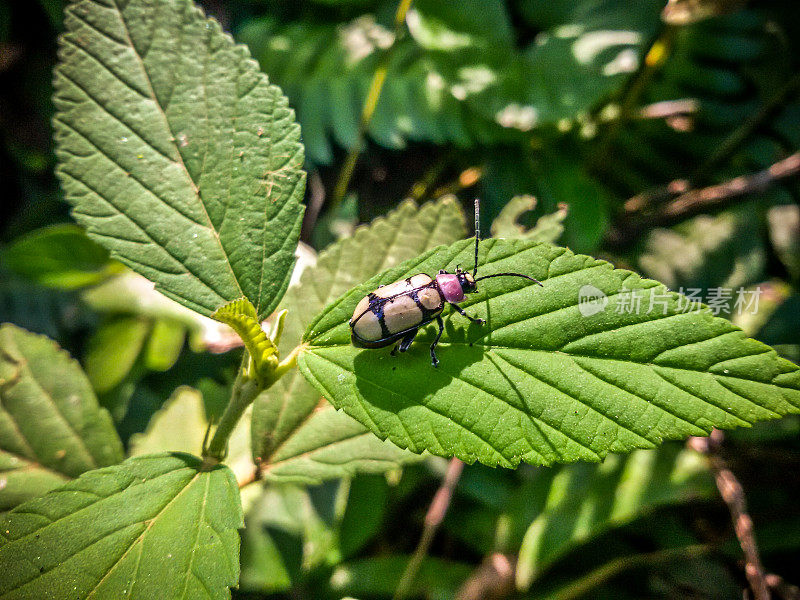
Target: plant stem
(433,518)
(373,95)
(599,576)
(678,200)
(245,391)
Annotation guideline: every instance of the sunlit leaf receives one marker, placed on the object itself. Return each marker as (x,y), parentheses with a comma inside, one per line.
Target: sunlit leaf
(113,349)
(181,425)
(548,228)
(570,371)
(164,344)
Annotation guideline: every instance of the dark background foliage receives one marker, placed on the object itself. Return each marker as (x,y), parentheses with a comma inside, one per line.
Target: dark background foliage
(596,104)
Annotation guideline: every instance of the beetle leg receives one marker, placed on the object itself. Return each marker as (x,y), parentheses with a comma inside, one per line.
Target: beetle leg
(405,343)
(434,360)
(461,311)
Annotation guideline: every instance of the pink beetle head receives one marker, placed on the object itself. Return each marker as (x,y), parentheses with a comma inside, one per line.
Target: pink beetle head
(454,286)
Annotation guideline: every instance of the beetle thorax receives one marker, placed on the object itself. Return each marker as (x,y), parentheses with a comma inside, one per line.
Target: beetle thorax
(450,286)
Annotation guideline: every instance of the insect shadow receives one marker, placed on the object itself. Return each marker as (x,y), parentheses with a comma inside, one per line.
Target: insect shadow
(414,378)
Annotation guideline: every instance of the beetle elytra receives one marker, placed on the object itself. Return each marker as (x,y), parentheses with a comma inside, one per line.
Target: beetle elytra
(395,312)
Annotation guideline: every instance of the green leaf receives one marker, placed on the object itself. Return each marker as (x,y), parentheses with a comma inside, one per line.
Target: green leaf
(51,427)
(152,527)
(22,479)
(59,256)
(179,426)
(290,531)
(553,376)
(548,228)
(176,153)
(578,502)
(164,344)
(330,444)
(295,434)
(113,350)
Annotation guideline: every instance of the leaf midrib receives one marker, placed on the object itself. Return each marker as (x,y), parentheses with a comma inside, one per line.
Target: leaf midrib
(180,161)
(24,365)
(588,406)
(310,453)
(311,347)
(200,521)
(146,530)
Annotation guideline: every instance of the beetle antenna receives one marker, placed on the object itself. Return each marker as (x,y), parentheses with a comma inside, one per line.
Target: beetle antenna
(477,235)
(509,275)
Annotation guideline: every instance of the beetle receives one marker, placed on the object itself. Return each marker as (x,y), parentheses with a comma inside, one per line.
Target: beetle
(395,312)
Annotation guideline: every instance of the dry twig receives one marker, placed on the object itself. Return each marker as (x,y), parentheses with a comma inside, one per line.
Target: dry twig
(733,495)
(677,201)
(492,580)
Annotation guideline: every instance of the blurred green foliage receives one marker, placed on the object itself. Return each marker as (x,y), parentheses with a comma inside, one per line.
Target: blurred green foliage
(598,105)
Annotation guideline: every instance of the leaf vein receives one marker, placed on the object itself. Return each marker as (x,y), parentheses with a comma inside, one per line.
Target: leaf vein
(164,247)
(147,528)
(180,161)
(76,15)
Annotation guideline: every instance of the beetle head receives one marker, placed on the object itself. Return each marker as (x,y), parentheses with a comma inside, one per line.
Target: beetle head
(467,282)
